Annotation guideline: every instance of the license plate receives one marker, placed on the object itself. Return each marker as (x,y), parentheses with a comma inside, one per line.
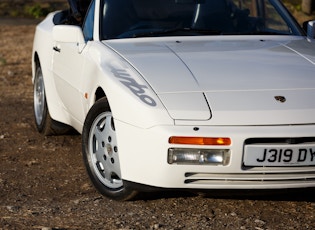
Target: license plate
(279,155)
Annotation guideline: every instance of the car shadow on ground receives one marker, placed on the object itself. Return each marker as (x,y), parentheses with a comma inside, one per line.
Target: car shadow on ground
(297,195)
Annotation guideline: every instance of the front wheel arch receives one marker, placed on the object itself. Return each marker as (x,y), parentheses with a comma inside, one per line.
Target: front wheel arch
(101,153)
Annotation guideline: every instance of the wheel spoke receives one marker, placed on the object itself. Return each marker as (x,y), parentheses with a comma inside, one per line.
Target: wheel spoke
(108,173)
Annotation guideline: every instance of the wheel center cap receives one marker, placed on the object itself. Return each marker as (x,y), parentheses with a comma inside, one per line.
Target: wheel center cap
(109,149)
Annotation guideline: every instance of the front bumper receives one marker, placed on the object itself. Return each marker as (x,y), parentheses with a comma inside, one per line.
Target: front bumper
(143,157)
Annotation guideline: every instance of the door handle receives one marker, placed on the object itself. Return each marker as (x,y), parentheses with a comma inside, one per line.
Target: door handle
(56,49)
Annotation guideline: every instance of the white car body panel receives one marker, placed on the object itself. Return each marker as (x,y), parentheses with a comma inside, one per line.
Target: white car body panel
(225,86)
(206,176)
(42,48)
(210,66)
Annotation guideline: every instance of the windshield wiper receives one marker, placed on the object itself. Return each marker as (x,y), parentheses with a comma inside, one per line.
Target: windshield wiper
(178,32)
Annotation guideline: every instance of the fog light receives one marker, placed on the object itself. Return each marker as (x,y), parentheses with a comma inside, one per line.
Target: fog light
(198,156)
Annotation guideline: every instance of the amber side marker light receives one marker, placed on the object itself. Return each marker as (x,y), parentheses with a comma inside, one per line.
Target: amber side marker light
(200,140)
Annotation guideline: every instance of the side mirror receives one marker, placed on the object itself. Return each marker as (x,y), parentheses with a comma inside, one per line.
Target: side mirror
(309,27)
(68,34)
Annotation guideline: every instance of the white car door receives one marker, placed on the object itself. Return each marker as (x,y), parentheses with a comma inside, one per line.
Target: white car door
(68,63)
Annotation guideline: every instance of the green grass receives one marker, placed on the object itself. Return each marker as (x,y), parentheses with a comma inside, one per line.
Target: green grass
(36,9)
(3,61)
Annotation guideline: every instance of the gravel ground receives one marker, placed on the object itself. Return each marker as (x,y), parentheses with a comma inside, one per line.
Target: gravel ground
(43,184)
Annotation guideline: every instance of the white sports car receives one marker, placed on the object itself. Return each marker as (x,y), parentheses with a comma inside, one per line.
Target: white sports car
(181,94)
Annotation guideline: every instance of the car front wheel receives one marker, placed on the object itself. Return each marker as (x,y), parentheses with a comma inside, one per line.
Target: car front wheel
(101,152)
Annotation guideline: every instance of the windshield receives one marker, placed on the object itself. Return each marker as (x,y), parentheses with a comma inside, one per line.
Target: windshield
(148,18)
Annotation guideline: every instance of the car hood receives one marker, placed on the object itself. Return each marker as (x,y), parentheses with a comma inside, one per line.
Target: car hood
(228,81)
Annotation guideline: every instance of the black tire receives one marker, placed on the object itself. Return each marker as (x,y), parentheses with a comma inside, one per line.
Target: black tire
(44,123)
(100,153)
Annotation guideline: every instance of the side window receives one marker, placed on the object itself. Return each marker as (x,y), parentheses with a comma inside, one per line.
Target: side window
(273,20)
(88,26)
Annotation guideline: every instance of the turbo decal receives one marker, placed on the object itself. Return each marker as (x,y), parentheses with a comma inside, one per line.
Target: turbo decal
(133,86)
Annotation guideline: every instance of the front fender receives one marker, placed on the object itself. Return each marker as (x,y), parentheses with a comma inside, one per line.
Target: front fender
(131,99)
